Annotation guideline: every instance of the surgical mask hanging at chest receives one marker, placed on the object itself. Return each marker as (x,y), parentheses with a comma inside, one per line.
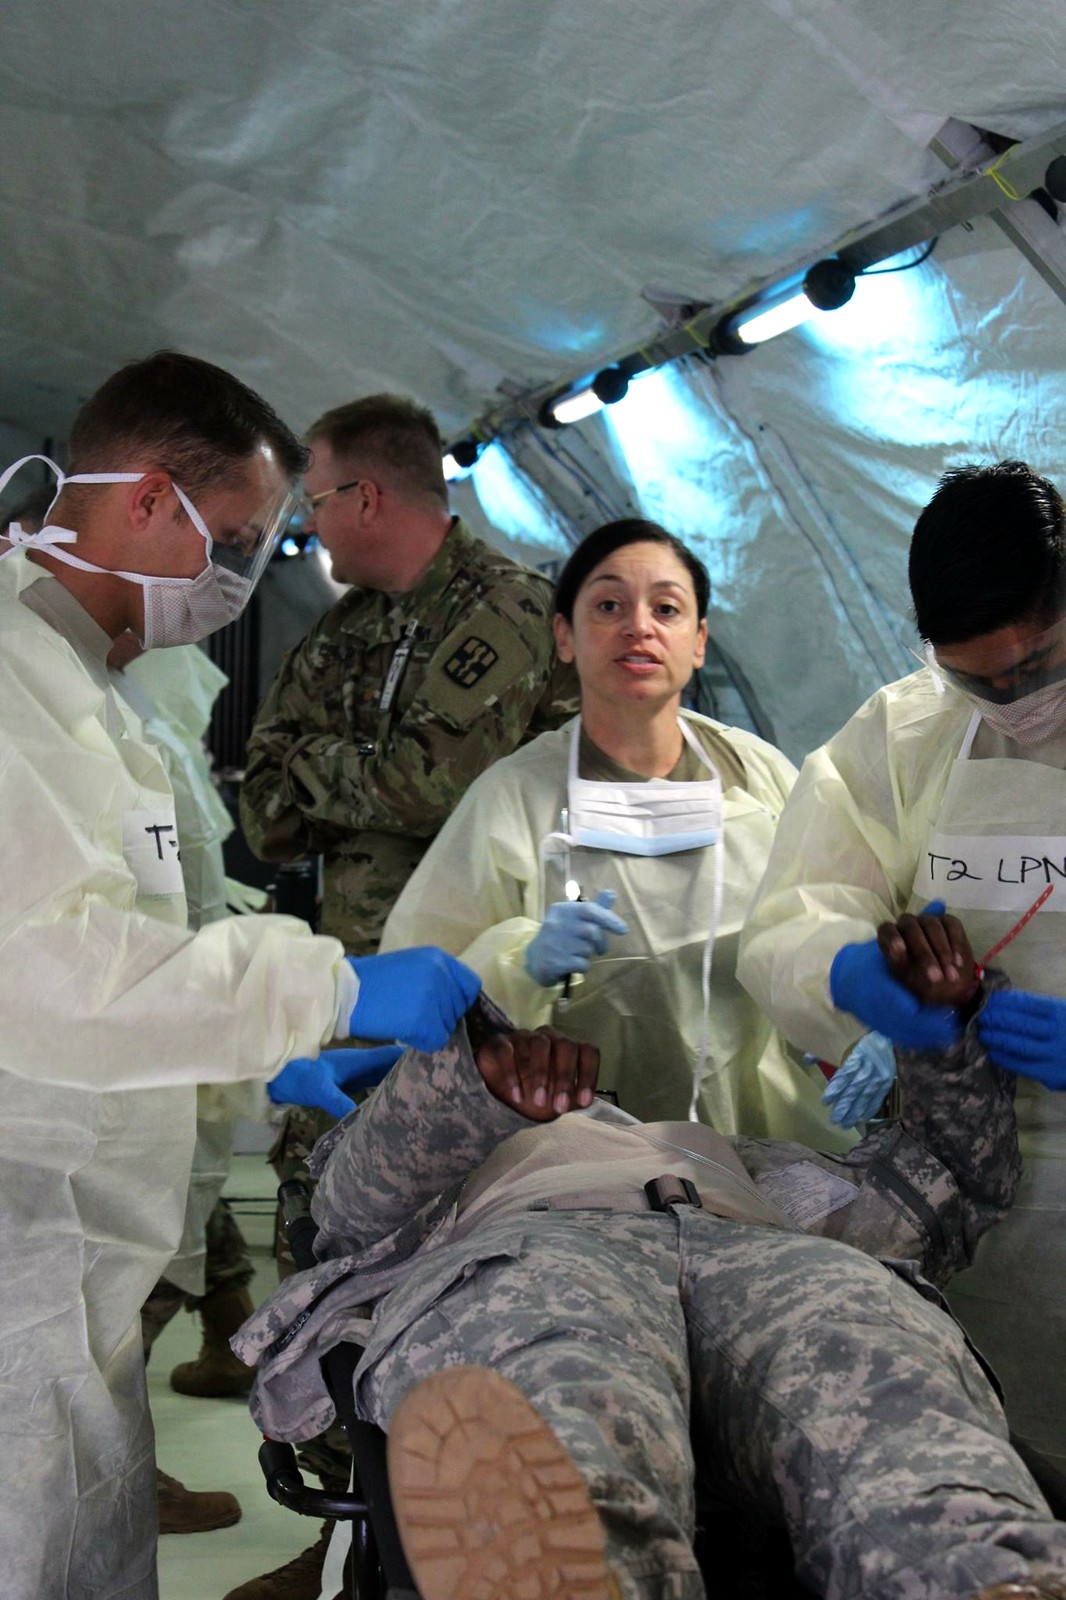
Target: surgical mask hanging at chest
(176,610)
(651,817)
(622,822)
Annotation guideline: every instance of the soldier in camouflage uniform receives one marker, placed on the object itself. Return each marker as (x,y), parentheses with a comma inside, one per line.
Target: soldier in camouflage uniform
(747,1320)
(437,662)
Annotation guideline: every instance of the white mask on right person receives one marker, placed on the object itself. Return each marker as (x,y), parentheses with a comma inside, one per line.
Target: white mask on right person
(1031,718)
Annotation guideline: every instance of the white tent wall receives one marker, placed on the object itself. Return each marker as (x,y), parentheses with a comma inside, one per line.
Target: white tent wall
(509,509)
(438,197)
(461,199)
(797,471)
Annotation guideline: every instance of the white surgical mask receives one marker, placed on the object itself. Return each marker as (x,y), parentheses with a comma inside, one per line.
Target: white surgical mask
(1030,719)
(176,610)
(656,817)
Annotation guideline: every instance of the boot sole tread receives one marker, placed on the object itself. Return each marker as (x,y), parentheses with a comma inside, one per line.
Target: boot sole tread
(488,1503)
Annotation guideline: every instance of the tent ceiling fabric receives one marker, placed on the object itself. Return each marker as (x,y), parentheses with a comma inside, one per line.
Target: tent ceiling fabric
(439,197)
(797,473)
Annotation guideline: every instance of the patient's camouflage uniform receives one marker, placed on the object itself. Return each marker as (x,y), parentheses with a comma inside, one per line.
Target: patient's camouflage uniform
(823,1389)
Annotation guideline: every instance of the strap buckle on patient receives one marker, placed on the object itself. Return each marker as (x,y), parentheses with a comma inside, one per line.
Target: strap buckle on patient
(668,1191)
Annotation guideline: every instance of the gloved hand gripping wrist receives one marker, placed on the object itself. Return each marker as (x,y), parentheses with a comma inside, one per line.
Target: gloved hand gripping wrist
(416,996)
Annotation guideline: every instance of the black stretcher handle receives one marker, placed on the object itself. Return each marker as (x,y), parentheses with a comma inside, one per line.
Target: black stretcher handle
(286,1485)
(294,1197)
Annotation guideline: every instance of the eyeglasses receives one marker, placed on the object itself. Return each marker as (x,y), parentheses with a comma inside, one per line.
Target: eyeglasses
(311,502)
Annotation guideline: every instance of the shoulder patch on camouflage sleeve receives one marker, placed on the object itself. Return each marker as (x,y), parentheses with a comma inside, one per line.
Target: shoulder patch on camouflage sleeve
(470,661)
(482,657)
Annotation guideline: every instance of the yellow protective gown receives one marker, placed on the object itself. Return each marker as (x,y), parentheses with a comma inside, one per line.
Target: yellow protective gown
(481,892)
(917,798)
(104,989)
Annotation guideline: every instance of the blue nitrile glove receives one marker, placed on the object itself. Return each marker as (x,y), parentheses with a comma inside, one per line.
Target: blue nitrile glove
(1026,1033)
(859,1085)
(860,982)
(572,933)
(362,1069)
(415,995)
(317,1080)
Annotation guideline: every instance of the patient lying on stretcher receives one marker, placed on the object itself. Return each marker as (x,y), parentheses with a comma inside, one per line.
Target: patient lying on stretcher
(549,1296)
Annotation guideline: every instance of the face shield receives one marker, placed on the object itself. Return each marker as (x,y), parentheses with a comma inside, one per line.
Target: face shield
(1011,673)
(245,552)
(179,610)
(1021,689)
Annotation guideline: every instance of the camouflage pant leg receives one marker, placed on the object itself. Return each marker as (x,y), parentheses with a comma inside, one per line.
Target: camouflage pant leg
(832,1396)
(329,1456)
(161,1307)
(228,1266)
(580,1310)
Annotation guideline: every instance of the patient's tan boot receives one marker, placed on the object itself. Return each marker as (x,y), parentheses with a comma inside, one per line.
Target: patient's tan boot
(489,1505)
(184,1510)
(216,1374)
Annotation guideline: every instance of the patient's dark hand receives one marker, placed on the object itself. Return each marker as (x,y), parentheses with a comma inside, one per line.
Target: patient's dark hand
(931,955)
(539,1074)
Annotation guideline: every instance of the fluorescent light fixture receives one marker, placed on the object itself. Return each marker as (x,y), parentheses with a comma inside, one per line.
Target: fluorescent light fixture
(461,458)
(827,286)
(760,323)
(574,406)
(589,395)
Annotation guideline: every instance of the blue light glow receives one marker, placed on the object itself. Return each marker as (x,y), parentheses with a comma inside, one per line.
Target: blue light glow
(510,502)
(888,310)
(671,447)
(889,364)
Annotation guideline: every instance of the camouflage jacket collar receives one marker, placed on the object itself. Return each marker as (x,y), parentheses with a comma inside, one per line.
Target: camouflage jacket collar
(457,554)
(459,549)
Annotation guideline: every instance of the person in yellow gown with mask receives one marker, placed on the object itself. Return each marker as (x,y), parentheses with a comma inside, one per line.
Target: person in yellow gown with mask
(598,878)
(950,787)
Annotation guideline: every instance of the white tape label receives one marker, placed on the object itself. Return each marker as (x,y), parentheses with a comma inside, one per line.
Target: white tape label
(997,872)
(150,846)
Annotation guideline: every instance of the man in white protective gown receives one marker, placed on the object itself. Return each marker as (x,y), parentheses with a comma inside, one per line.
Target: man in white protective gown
(950,787)
(179,486)
(173,693)
(599,877)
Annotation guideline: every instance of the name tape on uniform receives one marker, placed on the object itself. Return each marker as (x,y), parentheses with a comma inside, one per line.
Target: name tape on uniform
(997,872)
(150,846)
